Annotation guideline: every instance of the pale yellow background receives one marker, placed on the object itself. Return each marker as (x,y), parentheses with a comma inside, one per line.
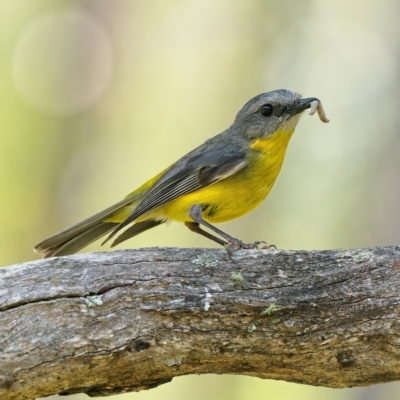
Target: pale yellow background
(97,96)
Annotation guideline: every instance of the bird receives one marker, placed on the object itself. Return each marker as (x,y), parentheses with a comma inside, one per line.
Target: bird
(224,178)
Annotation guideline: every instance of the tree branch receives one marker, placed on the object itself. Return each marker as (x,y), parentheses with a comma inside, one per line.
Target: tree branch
(107,323)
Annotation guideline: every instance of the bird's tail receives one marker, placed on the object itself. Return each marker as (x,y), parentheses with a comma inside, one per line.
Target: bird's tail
(75,238)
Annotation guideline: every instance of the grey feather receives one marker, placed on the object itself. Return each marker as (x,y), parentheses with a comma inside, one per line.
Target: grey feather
(78,242)
(135,229)
(74,231)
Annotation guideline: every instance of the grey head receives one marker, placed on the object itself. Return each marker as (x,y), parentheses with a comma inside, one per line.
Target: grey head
(267,113)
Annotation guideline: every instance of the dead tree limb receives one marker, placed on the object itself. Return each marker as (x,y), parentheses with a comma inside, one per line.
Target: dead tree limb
(107,323)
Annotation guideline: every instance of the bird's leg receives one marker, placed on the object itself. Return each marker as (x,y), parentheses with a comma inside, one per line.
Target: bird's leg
(233,243)
(195,227)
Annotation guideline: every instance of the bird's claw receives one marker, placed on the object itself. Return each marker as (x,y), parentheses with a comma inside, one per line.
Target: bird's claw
(253,245)
(268,247)
(238,244)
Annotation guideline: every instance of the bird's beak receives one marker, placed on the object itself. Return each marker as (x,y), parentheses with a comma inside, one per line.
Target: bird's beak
(301,105)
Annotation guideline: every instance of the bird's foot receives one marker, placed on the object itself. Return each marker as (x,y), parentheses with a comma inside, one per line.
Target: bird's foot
(237,244)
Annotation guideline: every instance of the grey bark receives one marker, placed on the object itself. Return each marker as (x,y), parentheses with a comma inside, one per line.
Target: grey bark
(108,323)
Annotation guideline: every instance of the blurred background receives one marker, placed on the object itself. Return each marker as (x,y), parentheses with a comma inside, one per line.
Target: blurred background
(98,96)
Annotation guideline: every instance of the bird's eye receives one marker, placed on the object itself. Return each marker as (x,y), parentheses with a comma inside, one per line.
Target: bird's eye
(266,110)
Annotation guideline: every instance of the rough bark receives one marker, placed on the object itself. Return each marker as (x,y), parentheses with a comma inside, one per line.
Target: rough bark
(107,323)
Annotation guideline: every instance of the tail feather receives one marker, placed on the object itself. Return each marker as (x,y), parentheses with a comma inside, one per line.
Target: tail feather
(81,227)
(135,229)
(74,244)
(75,238)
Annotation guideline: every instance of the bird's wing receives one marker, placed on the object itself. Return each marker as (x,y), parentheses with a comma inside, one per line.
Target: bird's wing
(187,175)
